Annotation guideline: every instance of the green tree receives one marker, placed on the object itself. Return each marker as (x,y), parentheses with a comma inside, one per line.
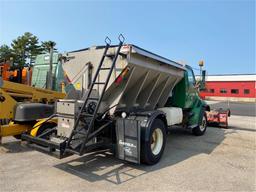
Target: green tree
(5,53)
(25,48)
(46,46)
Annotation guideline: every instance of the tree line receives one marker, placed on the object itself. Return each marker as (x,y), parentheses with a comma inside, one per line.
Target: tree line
(24,49)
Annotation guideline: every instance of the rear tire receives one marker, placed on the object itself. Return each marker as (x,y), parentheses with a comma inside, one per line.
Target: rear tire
(201,128)
(153,146)
(45,127)
(17,136)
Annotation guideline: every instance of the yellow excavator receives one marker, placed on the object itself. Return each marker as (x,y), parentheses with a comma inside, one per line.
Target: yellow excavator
(23,107)
(16,97)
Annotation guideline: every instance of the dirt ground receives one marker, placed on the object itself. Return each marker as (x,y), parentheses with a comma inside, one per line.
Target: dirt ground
(222,159)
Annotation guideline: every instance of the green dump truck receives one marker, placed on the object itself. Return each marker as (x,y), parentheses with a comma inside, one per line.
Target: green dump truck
(41,68)
(134,97)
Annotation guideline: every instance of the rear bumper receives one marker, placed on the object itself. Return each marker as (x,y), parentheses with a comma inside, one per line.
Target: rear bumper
(46,146)
(60,150)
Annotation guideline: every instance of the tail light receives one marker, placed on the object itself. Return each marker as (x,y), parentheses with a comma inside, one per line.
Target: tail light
(120,78)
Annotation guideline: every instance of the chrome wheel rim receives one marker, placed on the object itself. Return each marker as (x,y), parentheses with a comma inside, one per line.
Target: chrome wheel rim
(157,141)
(203,124)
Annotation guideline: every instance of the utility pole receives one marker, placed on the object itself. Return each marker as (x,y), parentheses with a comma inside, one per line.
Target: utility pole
(49,74)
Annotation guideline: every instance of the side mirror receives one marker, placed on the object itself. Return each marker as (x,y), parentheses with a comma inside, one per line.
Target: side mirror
(1,81)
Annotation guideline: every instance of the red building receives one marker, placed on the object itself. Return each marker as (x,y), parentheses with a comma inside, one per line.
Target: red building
(235,87)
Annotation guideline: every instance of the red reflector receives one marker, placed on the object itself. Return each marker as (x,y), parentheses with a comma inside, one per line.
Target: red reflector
(119,79)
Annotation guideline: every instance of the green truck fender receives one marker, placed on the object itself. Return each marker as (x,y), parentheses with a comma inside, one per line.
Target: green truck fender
(198,112)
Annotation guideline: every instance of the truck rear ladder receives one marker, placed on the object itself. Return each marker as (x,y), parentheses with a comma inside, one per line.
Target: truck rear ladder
(84,134)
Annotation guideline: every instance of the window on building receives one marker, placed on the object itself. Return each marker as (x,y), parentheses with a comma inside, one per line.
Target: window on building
(223,91)
(210,90)
(246,91)
(234,91)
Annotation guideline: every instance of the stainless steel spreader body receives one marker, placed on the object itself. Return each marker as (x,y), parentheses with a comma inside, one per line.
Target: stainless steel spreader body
(140,79)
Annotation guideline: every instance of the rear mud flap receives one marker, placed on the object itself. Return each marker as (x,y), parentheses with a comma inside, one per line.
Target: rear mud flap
(128,140)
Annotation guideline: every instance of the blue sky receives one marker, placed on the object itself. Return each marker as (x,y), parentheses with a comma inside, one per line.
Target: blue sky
(222,33)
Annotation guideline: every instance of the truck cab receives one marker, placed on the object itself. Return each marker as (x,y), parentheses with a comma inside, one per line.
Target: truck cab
(185,95)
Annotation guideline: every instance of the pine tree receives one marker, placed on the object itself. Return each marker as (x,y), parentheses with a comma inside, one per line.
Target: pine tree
(46,46)
(25,49)
(5,53)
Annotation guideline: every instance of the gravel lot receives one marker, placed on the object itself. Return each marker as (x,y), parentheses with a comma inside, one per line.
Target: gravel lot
(222,159)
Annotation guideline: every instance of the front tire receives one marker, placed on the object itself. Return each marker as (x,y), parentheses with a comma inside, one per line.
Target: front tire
(201,128)
(153,146)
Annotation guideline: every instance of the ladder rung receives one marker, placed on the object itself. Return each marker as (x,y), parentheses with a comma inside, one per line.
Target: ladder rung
(105,68)
(101,83)
(80,132)
(109,55)
(121,54)
(93,98)
(72,151)
(88,115)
